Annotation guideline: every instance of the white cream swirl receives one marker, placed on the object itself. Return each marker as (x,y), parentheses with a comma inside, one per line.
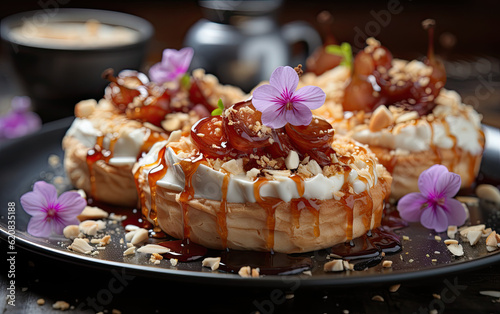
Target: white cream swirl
(126,148)
(454,124)
(207,182)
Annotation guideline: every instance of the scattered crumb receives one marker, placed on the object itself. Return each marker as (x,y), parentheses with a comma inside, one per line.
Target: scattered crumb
(438,238)
(211,262)
(129,251)
(247,271)
(378,298)
(40,301)
(174,261)
(394,288)
(436,296)
(406,238)
(289,296)
(60,305)
(387,264)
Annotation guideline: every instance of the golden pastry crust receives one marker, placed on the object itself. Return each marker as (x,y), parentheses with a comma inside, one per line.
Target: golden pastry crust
(248,227)
(406,169)
(380,129)
(113,184)
(252,226)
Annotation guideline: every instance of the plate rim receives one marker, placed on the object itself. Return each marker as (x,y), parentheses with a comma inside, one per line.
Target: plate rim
(217,278)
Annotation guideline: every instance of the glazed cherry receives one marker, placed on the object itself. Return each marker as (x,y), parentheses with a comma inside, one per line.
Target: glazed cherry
(282,144)
(157,106)
(372,85)
(123,89)
(316,136)
(196,95)
(244,129)
(208,135)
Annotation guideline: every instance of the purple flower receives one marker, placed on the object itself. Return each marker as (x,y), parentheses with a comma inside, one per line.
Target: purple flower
(51,214)
(434,206)
(19,121)
(173,64)
(280,102)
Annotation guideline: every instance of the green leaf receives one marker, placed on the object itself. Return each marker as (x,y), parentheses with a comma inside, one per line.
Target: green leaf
(186,81)
(217,112)
(344,50)
(220,109)
(334,50)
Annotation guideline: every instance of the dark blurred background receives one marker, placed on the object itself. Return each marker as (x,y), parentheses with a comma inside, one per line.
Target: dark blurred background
(466,34)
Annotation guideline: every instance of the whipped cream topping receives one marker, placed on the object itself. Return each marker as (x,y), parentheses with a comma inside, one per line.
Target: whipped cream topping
(127,146)
(207,182)
(453,124)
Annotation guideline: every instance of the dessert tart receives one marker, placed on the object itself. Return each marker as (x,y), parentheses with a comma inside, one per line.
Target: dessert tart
(236,183)
(401,110)
(107,137)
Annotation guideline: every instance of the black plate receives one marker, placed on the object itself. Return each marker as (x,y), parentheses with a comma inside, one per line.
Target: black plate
(24,161)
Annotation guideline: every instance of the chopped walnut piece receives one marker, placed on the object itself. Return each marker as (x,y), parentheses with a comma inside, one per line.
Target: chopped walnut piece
(140,235)
(234,166)
(60,305)
(80,246)
(247,271)
(451,232)
(473,236)
(380,119)
(387,264)
(89,227)
(292,160)
(334,266)
(450,241)
(488,192)
(211,262)
(129,251)
(492,239)
(378,298)
(456,249)
(394,288)
(153,249)
(155,258)
(85,108)
(71,231)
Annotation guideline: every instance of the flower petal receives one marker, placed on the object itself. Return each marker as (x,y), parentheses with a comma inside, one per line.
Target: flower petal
(410,206)
(266,96)
(285,80)
(448,184)
(156,74)
(48,191)
(299,115)
(71,204)
(33,203)
(455,212)
(274,117)
(428,178)
(312,97)
(183,58)
(38,226)
(434,218)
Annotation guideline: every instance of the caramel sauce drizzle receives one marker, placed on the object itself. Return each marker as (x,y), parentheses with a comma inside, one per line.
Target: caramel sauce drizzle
(269,204)
(94,155)
(298,204)
(140,191)
(189,167)
(154,175)
(221,214)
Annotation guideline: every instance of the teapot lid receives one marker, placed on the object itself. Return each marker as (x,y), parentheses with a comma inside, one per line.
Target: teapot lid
(222,11)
